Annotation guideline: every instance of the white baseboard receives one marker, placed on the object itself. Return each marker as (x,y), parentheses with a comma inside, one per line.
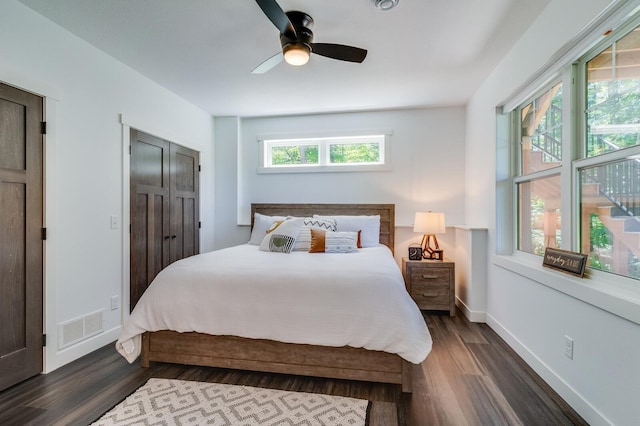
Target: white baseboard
(473,316)
(55,359)
(569,394)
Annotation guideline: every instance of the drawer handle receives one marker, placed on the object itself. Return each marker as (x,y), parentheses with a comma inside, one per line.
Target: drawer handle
(429,277)
(429,295)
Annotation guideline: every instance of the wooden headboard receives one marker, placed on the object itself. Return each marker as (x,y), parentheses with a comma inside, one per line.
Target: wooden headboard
(386,212)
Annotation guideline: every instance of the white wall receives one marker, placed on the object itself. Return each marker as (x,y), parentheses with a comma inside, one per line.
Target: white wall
(226,229)
(87,92)
(601,382)
(427,167)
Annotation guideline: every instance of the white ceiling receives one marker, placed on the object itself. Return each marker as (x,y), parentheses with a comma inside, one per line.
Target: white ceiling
(422,53)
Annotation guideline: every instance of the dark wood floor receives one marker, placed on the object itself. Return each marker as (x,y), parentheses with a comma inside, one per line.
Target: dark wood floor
(471,377)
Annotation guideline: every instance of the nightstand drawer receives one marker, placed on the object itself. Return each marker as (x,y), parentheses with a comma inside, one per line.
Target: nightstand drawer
(431,296)
(430,275)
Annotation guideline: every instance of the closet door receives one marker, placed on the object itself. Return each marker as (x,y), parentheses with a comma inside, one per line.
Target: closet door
(164,208)
(21,254)
(185,208)
(150,220)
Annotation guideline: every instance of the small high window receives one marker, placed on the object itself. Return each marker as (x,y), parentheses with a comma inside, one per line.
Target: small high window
(347,153)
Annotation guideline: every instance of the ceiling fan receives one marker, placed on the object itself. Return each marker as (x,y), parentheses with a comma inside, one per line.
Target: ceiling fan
(296,39)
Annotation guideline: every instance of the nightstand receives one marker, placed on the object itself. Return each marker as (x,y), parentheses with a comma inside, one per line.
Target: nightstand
(431,283)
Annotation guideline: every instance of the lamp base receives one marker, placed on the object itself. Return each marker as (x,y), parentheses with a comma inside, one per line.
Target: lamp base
(429,252)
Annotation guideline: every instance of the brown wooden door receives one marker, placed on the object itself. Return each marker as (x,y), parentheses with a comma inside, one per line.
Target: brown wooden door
(164,208)
(150,226)
(21,258)
(185,237)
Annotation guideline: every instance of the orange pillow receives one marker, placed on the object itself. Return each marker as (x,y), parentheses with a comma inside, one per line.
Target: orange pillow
(317,240)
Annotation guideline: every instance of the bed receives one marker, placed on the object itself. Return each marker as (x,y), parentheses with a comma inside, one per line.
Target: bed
(311,342)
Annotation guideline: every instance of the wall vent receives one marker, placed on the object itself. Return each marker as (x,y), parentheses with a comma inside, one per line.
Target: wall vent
(78,329)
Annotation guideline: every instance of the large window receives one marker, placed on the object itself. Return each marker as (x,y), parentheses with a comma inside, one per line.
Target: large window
(324,154)
(609,172)
(592,111)
(613,96)
(538,186)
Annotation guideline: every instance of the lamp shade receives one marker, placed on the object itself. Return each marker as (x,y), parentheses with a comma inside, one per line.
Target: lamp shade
(429,223)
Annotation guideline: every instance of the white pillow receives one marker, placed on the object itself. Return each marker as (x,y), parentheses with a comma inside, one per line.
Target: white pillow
(283,237)
(303,242)
(261,224)
(369,225)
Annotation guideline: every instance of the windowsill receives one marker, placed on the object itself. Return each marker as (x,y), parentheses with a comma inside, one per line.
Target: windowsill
(325,169)
(612,293)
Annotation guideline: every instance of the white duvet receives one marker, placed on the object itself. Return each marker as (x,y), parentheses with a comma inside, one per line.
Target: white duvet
(348,299)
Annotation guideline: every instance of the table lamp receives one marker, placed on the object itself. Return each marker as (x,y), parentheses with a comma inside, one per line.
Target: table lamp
(429,224)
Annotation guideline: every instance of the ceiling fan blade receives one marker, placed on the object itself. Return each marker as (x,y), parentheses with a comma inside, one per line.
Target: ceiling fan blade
(339,51)
(276,15)
(268,64)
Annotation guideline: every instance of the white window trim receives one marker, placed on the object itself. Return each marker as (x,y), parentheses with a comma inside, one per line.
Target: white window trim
(323,140)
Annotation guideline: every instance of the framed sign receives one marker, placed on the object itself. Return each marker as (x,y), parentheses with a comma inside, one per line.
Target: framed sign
(565,261)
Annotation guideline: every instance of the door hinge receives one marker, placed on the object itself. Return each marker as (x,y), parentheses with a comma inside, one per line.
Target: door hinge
(44,340)
(129,149)
(199,225)
(43,127)
(129,228)
(199,168)
(44,234)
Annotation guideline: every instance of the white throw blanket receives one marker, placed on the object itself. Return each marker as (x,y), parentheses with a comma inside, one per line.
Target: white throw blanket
(348,299)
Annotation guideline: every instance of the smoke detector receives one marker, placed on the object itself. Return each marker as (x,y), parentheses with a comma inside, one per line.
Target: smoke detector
(386,4)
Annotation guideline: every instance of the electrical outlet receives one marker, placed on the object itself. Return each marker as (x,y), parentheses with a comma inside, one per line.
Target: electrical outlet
(115,302)
(568,347)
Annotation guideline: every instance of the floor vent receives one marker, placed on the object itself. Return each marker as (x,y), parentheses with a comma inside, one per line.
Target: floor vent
(78,329)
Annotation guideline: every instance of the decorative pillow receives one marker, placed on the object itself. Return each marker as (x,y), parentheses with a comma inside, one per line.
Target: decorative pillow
(333,242)
(274,225)
(303,242)
(261,223)
(283,237)
(369,225)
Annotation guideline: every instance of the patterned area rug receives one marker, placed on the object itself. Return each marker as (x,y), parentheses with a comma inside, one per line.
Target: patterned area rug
(179,402)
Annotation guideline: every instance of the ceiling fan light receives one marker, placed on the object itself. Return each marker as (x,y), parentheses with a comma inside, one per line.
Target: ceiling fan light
(386,4)
(296,54)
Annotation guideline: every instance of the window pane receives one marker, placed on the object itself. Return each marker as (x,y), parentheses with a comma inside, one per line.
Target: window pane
(323,154)
(610,224)
(541,130)
(539,219)
(354,153)
(613,97)
(294,155)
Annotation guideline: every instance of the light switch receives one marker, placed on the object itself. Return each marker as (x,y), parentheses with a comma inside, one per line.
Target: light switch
(115,222)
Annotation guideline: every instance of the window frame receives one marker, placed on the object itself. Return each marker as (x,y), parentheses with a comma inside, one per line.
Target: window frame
(574,80)
(324,141)
(560,170)
(609,291)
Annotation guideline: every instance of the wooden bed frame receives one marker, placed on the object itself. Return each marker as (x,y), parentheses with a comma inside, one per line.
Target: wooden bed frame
(277,357)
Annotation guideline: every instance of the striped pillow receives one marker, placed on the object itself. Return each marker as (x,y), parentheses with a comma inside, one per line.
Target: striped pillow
(333,242)
(303,242)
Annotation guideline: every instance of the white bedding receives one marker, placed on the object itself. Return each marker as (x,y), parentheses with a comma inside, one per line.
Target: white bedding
(348,299)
